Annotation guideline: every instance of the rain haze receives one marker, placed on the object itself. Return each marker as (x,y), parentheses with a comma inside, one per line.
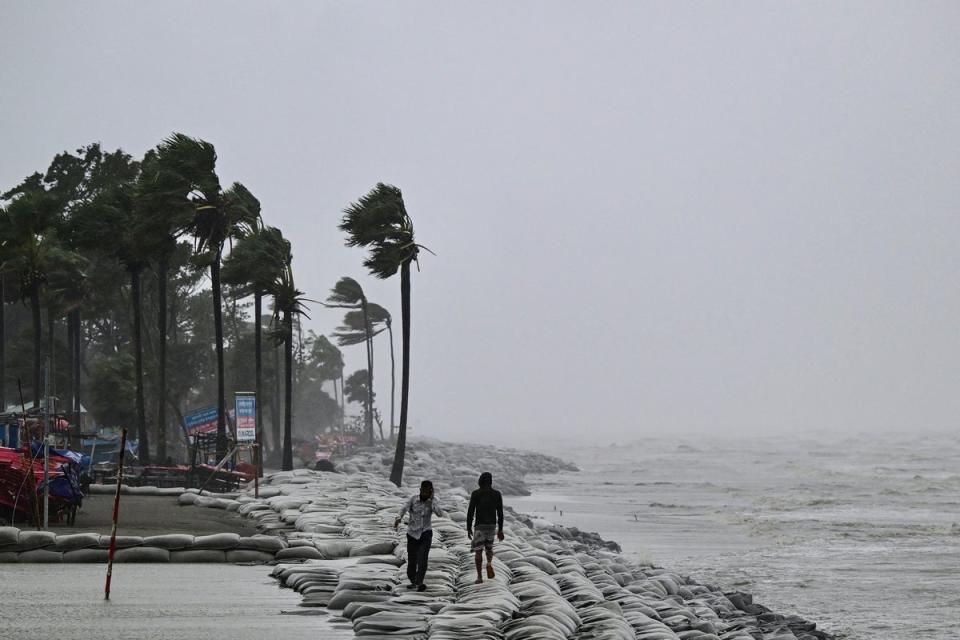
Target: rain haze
(647,217)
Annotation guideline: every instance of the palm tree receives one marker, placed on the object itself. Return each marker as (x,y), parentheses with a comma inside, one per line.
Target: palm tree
(218,215)
(256,262)
(363,327)
(165,215)
(380,223)
(348,294)
(357,388)
(288,301)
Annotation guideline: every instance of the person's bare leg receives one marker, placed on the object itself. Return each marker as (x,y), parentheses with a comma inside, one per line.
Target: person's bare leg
(490,573)
(478,558)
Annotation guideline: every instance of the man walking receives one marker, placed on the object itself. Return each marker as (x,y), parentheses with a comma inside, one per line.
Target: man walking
(486,505)
(419,533)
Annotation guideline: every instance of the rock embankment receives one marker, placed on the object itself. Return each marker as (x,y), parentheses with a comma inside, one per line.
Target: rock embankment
(457,465)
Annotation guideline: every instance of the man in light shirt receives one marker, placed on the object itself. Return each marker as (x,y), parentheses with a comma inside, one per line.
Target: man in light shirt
(419,533)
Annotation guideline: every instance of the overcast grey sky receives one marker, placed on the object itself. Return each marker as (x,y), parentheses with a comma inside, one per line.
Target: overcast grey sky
(648,217)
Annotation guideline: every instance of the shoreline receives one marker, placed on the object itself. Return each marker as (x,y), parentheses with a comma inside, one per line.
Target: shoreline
(341,552)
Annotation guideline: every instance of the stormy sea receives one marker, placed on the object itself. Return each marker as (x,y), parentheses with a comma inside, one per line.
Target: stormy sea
(857,533)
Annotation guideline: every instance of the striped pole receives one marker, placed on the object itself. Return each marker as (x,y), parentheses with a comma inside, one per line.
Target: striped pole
(116,512)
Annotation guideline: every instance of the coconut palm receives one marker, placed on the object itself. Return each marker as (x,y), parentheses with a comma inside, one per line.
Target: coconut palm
(358,327)
(165,214)
(217,216)
(348,294)
(288,302)
(379,222)
(256,262)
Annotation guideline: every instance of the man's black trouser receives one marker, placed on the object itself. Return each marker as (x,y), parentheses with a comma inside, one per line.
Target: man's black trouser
(417,553)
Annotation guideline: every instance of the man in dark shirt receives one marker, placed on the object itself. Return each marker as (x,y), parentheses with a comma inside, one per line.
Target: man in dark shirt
(486,506)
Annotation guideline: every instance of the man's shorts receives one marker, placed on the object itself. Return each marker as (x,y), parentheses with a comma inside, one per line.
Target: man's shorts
(483,537)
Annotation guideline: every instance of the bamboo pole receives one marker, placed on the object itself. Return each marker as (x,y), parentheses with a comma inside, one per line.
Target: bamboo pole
(116,512)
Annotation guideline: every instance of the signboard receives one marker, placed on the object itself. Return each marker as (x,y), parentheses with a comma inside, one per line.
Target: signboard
(200,421)
(246,416)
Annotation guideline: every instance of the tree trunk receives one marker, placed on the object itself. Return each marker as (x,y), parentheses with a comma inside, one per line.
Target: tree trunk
(218,331)
(393,380)
(162,269)
(287,464)
(71,383)
(51,387)
(3,341)
(343,404)
(275,404)
(368,414)
(75,362)
(143,445)
(258,368)
(37,343)
(396,474)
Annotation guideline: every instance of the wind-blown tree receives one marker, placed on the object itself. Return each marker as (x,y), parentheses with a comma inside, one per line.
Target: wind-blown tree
(288,302)
(217,216)
(327,362)
(379,222)
(28,247)
(165,215)
(257,261)
(356,388)
(114,215)
(348,294)
(363,327)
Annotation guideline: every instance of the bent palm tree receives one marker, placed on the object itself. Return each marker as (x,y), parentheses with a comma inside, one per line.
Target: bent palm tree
(288,301)
(380,223)
(255,264)
(348,294)
(218,215)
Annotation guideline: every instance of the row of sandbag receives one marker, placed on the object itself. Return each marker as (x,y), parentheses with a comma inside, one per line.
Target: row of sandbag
(47,546)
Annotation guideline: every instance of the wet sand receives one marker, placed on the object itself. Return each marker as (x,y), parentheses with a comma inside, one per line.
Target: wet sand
(155,602)
(152,515)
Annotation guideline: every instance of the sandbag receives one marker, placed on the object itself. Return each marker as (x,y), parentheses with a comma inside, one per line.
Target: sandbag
(187,498)
(248,555)
(74,541)
(342,598)
(123,542)
(8,557)
(36,540)
(9,536)
(41,555)
(169,541)
(142,554)
(268,544)
(217,541)
(86,555)
(299,553)
(198,555)
(374,549)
